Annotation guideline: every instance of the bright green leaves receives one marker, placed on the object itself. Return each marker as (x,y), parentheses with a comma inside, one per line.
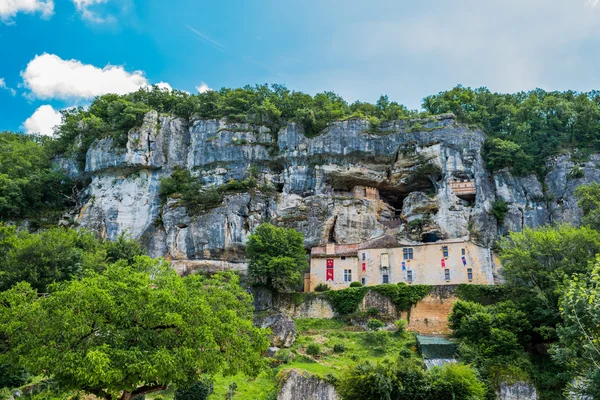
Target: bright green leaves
(132,326)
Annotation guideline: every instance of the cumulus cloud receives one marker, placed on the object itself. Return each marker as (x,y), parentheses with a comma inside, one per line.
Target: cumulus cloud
(48,76)
(84,7)
(10,8)
(203,88)
(43,121)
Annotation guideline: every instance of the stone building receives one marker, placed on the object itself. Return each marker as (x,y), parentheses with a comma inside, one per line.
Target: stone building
(380,261)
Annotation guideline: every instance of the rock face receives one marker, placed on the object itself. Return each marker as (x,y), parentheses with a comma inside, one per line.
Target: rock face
(316,185)
(517,391)
(301,386)
(283,329)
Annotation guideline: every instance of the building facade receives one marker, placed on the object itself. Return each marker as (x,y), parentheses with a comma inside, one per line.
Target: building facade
(446,262)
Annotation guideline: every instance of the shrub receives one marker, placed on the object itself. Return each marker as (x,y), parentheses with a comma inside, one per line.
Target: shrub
(322,287)
(356,284)
(400,326)
(499,210)
(313,349)
(285,356)
(455,381)
(339,348)
(405,353)
(378,340)
(346,301)
(198,391)
(373,312)
(374,324)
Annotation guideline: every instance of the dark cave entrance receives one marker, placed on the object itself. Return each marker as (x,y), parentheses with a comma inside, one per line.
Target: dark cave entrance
(430,237)
(395,199)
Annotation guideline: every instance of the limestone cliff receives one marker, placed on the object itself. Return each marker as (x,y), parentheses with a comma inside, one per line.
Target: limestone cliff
(320,186)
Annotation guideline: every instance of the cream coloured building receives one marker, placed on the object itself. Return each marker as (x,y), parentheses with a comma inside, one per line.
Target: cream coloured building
(445,262)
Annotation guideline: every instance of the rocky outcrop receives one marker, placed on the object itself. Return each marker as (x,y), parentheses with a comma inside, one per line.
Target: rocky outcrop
(517,391)
(312,186)
(298,385)
(283,329)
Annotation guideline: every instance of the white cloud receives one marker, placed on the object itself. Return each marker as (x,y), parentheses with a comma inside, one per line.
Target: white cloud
(43,121)
(592,3)
(83,6)
(164,86)
(3,86)
(48,76)
(10,8)
(203,88)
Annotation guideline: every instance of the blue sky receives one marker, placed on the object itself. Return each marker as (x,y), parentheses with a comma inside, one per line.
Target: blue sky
(59,53)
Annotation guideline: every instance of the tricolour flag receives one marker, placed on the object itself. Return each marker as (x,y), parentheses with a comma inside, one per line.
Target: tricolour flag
(464,260)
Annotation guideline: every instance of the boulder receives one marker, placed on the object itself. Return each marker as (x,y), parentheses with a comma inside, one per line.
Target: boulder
(283,328)
(517,391)
(298,385)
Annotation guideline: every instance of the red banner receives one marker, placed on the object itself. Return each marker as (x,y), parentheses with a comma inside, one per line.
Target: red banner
(364,266)
(443,263)
(329,276)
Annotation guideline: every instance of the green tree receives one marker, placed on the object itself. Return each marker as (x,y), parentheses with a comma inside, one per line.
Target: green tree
(132,330)
(588,199)
(579,334)
(277,258)
(536,263)
(455,381)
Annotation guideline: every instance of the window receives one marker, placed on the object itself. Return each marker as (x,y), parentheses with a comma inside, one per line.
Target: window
(347,275)
(409,276)
(385,260)
(445,251)
(470,273)
(386,278)
(447,274)
(408,253)
(363,280)
(343,257)
(462,251)
(364,256)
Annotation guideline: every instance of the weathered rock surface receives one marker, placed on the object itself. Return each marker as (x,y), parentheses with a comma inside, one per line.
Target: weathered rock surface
(517,391)
(316,181)
(298,385)
(283,328)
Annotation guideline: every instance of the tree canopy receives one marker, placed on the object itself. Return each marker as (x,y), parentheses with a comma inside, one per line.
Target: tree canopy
(277,258)
(132,329)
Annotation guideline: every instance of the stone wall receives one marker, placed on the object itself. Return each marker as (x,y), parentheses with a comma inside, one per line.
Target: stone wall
(298,385)
(430,315)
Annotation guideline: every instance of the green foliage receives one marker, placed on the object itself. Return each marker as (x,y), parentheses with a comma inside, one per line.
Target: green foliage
(133,328)
(29,186)
(12,376)
(537,262)
(56,255)
(588,199)
(537,123)
(346,301)
(483,294)
(322,287)
(376,339)
(339,348)
(197,391)
(579,332)
(374,324)
(277,258)
(400,325)
(407,380)
(356,284)
(403,296)
(313,349)
(499,210)
(285,356)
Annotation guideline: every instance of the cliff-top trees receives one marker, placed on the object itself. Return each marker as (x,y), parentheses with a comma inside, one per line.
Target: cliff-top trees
(131,330)
(277,257)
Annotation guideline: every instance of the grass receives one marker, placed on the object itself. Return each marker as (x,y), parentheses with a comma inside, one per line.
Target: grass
(327,333)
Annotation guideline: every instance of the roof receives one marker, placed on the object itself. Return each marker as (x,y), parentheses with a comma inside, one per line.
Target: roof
(340,250)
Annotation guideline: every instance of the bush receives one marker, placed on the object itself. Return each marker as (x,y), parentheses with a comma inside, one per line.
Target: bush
(400,326)
(499,210)
(339,348)
(378,340)
(356,284)
(198,391)
(346,301)
(405,353)
(374,324)
(313,349)
(373,312)
(322,287)
(285,356)
(455,381)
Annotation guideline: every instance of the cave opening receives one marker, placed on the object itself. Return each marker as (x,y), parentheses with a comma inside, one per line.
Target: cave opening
(395,199)
(332,231)
(430,237)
